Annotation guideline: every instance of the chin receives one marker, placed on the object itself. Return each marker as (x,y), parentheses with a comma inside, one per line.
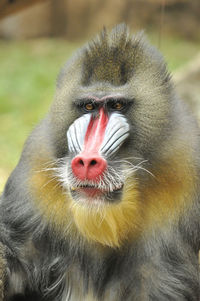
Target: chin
(106,218)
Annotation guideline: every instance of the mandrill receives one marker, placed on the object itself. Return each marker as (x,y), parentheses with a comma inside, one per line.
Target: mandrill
(104,204)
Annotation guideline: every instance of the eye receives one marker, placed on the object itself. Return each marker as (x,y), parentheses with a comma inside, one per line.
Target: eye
(117,106)
(89,106)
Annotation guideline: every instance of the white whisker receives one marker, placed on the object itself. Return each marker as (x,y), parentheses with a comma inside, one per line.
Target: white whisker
(114,177)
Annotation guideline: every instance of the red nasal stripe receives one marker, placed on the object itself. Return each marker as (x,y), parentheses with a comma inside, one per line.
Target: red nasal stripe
(95,132)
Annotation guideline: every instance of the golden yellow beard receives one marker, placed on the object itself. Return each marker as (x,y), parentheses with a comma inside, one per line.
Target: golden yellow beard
(109,224)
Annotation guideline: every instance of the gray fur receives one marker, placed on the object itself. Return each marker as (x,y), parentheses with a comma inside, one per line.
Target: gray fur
(162,263)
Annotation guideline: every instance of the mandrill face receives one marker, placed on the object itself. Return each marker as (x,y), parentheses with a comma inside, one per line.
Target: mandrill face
(95,174)
(93,139)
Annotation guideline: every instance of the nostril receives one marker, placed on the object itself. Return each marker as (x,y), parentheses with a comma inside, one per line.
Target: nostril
(81,162)
(93,162)
(88,167)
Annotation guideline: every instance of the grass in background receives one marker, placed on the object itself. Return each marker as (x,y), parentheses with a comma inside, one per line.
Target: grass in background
(28,70)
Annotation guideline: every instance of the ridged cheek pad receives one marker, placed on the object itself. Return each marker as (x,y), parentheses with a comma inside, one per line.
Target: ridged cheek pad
(101,134)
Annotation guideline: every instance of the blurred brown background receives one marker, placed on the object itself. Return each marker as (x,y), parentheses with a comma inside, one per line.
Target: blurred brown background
(79,19)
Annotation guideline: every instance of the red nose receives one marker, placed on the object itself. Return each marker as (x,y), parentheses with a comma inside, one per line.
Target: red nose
(88,167)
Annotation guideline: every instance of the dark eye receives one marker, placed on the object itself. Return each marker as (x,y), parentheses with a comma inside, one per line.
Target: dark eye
(117,106)
(89,106)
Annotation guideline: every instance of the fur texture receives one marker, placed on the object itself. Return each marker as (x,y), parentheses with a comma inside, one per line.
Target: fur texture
(142,244)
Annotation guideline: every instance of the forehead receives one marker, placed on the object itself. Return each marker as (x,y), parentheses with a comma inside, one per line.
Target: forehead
(101,92)
(102,98)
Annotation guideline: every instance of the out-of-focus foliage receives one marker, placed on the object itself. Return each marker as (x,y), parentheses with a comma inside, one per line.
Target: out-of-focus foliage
(187,81)
(27,81)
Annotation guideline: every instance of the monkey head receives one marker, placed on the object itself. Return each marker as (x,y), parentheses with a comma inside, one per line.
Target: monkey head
(107,130)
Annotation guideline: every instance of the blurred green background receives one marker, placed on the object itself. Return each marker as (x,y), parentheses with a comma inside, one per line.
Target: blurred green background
(30,62)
